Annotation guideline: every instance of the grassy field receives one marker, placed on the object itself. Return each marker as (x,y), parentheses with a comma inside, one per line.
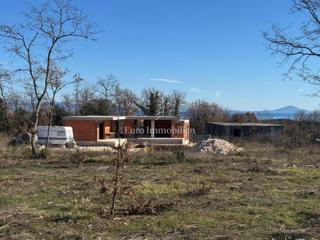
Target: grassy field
(264,193)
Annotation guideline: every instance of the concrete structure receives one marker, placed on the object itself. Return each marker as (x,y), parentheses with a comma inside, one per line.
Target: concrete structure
(232,130)
(108,129)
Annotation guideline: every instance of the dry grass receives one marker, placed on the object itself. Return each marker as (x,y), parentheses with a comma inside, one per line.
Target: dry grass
(4,140)
(267,192)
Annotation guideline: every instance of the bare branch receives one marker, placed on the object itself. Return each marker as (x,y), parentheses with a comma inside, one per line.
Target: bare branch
(302,50)
(41,42)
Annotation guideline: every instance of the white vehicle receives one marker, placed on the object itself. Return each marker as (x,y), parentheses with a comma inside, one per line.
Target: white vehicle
(57,135)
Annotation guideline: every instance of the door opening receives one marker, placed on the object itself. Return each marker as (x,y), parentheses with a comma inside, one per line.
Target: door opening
(237,132)
(101,130)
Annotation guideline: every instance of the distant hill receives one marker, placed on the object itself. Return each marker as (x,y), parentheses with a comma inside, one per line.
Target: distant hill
(287,112)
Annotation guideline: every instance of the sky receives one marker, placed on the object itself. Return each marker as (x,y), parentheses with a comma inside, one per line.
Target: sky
(212,50)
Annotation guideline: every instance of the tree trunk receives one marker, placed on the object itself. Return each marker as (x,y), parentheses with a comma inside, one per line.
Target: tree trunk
(115,186)
(6,116)
(33,131)
(50,123)
(5,106)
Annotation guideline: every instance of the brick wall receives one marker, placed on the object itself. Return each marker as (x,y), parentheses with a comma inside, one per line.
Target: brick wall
(180,130)
(88,130)
(84,130)
(127,125)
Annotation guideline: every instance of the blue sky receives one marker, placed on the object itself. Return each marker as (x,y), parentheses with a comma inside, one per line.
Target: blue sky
(211,49)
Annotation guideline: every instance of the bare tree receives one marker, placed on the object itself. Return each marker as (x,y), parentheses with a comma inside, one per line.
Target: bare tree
(31,97)
(166,105)
(86,95)
(4,82)
(57,83)
(68,103)
(178,99)
(125,101)
(41,42)
(14,101)
(119,176)
(77,92)
(202,112)
(299,51)
(19,108)
(106,86)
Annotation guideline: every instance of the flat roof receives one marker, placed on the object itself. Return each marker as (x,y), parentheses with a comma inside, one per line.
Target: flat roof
(183,120)
(152,117)
(96,117)
(246,124)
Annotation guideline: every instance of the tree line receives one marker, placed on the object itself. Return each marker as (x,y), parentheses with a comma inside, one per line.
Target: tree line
(105,96)
(31,93)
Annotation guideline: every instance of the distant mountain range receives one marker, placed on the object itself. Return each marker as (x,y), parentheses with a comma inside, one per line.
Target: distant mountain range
(287,112)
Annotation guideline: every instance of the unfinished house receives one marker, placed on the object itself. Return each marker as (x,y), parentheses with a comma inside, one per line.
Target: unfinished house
(104,130)
(246,130)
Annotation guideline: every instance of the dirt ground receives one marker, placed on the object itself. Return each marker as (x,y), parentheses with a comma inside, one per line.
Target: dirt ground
(266,192)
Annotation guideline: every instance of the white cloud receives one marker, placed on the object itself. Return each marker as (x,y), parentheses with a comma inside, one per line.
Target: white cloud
(195,89)
(165,80)
(218,94)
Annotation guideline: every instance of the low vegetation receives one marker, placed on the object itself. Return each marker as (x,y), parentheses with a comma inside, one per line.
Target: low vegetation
(263,193)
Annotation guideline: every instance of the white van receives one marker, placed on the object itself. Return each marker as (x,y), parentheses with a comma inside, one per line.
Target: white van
(57,135)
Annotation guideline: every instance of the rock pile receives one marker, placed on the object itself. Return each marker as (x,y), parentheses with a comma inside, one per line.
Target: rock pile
(217,146)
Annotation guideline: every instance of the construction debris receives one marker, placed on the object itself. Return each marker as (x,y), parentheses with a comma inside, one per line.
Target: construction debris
(217,146)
